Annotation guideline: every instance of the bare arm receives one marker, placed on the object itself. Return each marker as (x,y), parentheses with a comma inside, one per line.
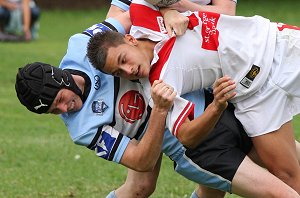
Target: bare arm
(219,6)
(175,22)
(114,11)
(191,133)
(124,19)
(143,155)
(26,19)
(8,5)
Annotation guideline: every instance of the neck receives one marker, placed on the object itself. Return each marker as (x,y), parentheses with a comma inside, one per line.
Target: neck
(80,82)
(147,47)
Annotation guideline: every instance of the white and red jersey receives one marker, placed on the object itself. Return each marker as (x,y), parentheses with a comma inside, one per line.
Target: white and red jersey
(213,46)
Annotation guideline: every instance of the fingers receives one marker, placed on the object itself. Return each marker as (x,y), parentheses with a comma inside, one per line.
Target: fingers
(176,23)
(224,87)
(223,91)
(162,89)
(162,94)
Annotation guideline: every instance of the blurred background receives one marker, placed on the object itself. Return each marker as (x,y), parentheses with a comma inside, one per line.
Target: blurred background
(72,4)
(37,156)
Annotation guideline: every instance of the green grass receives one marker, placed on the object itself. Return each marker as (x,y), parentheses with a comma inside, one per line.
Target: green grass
(36,152)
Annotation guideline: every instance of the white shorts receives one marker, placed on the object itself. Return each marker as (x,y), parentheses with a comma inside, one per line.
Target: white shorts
(279,98)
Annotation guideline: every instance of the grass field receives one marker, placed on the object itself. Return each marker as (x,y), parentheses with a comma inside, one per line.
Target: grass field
(37,157)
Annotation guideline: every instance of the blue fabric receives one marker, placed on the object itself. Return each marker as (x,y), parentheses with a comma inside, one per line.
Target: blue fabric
(83,125)
(112,194)
(123,4)
(194,195)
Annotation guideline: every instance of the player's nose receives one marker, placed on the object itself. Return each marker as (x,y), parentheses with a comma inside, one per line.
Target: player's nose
(129,69)
(63,108)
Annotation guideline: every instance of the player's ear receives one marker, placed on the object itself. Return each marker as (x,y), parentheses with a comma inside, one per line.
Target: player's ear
(130,39)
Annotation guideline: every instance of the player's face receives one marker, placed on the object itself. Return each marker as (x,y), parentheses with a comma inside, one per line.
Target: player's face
(127,61)
(65,101)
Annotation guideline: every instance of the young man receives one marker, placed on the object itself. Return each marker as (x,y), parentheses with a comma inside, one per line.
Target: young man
(109,121)
(262,64)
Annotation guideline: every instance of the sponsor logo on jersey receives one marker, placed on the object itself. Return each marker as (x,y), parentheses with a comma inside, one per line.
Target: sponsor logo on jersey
(210,33)
(97,82)
(160,21)
(132,106)
(104,145)
(248,79)
(99,107)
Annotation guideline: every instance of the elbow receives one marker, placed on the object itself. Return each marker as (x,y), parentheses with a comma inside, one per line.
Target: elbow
(143,163)
(144,166)
(187,142)
(189,136)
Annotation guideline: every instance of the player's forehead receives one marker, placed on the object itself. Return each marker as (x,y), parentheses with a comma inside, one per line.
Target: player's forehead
(114,57)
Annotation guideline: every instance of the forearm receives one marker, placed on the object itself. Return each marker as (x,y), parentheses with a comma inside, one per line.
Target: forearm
(9,5)
(191,133)
(124,20)
(114,11)
(228,9)
(219,6)
(145,153)
(26,15)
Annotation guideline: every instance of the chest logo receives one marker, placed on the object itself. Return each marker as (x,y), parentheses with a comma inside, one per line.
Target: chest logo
(99,107)
(132,106)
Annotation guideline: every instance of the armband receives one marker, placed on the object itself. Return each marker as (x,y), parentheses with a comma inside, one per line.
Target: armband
(100,27)
(109,24)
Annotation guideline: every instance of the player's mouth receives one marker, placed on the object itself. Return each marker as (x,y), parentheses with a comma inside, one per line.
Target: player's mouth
(72,106)
(137,71)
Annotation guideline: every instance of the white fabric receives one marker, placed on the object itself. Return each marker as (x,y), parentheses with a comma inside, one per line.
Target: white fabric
(216,45)
(233,46)
(278,100)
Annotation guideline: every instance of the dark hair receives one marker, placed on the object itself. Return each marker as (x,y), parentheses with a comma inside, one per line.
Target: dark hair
(99,44)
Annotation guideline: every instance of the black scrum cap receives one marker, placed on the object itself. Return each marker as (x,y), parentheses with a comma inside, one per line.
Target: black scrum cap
(37,85)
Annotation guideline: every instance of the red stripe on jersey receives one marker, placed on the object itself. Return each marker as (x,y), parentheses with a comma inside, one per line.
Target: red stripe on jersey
(143,16)
(281,27)
(163,55)
(187,112)
(210,33)
(193,21)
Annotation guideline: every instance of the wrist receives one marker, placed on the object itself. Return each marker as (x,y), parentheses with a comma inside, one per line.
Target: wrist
(217,109)
(158,110)
(164,10)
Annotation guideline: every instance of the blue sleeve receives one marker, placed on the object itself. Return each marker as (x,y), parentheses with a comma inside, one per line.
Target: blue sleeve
(119,27)
(123,4)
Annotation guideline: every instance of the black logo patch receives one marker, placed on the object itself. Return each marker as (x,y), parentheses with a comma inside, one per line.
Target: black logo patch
(97,82)
(248,79)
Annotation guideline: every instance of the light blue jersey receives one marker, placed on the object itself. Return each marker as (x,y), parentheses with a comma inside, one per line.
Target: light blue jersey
(123,4)
(116,110)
